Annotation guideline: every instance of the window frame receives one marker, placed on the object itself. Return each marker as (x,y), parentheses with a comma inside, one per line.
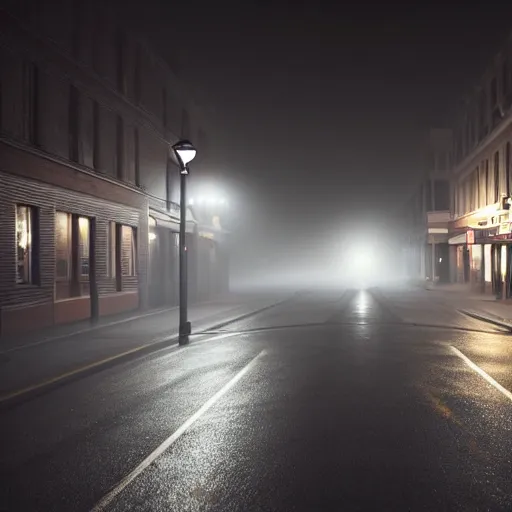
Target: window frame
(131,271)
(111,250)
(496,176)
(68,278)
(86,244)
(31,213)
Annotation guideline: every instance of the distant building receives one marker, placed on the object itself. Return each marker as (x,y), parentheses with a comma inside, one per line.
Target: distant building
(426,216)
(88,191)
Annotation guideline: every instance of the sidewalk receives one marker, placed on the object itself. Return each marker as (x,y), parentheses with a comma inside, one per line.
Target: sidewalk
(35,362)
(484,307)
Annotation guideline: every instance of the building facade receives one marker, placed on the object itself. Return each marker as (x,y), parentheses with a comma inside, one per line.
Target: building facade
(477,222)
(89,193)
(427,214)
(480,232)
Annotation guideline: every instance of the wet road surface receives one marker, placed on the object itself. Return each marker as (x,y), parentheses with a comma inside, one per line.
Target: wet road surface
(333,401)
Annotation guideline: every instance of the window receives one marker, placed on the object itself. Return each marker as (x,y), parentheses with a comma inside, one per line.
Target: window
(136,156)
(487,183)
(24,244)
(507,167)
(471,193)
(120,50)
(128,252)
(62,246)
(83,246)
(496,176)
(111,249)
(32,102)
(467,193)
(120,148)
(95,135)
(136,76)
(73,124)
(477,187)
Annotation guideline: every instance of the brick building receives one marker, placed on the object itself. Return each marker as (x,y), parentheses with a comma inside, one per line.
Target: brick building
(88,191)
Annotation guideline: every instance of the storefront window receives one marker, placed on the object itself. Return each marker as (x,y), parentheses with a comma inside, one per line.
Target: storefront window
(62,246)
(24,215)
(487,261)
(476,257)
(83,246)
(111,249)
(128,253)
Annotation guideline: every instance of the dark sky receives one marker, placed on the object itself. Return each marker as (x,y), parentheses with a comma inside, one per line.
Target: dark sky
(322,106)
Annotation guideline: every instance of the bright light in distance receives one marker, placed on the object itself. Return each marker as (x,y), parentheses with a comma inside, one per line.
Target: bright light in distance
(191,201)
(359,264)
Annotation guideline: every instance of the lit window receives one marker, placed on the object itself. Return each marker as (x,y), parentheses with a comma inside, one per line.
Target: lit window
(111,251)
(128,253)
(83,245)
(24,221)
(62,246)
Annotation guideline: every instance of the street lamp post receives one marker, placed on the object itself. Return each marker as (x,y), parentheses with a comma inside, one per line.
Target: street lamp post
(184,152)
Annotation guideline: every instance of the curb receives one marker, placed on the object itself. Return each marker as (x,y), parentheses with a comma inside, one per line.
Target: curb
(14,398)
(487,319)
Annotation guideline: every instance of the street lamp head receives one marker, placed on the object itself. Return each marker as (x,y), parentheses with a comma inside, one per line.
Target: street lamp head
(185,153)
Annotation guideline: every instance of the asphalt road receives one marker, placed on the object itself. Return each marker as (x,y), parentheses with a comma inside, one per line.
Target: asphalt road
(333,401)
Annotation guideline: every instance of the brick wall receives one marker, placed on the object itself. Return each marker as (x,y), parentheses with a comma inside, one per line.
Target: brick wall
(48,199)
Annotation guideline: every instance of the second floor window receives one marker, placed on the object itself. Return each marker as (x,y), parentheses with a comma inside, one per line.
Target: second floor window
(487,182)
(496,177)
(507,167)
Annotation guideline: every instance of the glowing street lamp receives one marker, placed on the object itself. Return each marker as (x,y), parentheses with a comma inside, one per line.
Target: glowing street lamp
(184,152)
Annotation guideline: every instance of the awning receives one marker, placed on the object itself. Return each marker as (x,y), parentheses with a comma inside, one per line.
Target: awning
(458,239)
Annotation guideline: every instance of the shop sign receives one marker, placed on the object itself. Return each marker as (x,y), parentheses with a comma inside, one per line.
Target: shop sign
(504,228)
(504,236)
(470,237)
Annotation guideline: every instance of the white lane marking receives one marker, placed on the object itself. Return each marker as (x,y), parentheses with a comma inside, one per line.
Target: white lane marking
(483,374)
(107,499)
